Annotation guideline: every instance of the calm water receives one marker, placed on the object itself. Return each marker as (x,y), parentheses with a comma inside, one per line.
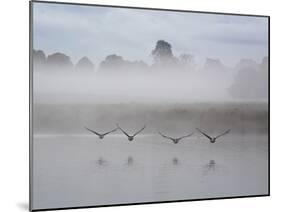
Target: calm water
(82,170)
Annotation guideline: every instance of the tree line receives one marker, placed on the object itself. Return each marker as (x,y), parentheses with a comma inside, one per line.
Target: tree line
(250,77)
(163,59)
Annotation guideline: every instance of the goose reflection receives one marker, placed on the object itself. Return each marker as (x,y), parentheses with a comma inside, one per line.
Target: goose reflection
(130,161)
(101,161)
(210,167)
(175,161)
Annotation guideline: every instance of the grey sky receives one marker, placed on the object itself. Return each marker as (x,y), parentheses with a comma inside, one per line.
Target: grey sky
(99,31)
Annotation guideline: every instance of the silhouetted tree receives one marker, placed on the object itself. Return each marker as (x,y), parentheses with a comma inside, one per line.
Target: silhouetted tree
(39,59)
(136,65)
(263,77)
(251,82)
(213,65)
(246,63)
(84,64)
(163,56)
(114,62)
(187,62)
(59,61)
(264,64)
(162,51)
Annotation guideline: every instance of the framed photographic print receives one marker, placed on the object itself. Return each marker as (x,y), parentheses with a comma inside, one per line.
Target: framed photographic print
(139,105)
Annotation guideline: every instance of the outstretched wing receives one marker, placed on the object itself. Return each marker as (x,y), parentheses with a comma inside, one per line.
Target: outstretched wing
(110,131)
(185,136)
(92,131)
(122,130)
(204,134)
(227,131)
(139,131)
(164,136)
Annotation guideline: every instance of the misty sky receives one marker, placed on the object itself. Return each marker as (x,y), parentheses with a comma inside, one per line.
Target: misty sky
(99,31)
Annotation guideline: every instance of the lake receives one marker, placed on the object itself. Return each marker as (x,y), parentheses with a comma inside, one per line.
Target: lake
(73,170)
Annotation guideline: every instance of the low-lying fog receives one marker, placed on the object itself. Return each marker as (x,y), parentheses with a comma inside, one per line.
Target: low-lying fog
(89,87)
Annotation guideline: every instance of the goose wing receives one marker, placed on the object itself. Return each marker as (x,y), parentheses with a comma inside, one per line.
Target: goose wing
(123,130)
(186,136)
(204,134)
(93,131)
(227,131)
(139,131)
(110,131)
(164,136)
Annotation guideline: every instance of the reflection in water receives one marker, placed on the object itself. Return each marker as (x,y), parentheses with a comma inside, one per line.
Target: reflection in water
(175,161)
(130,160)
(101,161)
(156,171)
(210,167)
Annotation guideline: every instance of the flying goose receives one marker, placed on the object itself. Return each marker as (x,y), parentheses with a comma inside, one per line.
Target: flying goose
(213,139)
(175,140)
(100,135)
(130,137)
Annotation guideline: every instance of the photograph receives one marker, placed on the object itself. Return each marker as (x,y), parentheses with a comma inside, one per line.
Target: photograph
(138,105)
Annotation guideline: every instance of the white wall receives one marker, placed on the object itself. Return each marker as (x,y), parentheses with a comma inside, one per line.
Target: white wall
(14,105)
